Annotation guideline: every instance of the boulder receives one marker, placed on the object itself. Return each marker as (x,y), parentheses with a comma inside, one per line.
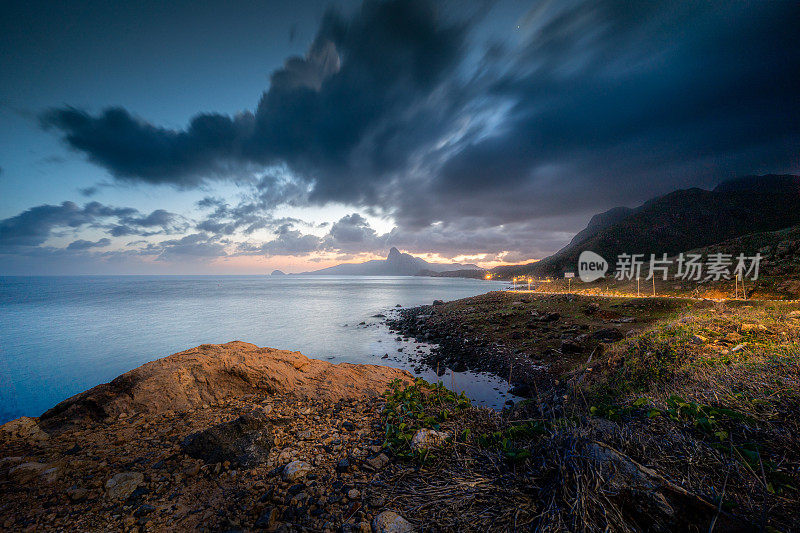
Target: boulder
(377,462)
(245,441)
(214,373)
(122,485)
(77,494)
(268,518)
(391,522)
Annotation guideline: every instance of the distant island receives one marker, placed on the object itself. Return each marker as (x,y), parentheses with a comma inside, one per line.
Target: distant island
(278,273)
(395,264)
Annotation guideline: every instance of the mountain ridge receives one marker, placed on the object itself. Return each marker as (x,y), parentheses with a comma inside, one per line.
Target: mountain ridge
(679,221)
(396,263)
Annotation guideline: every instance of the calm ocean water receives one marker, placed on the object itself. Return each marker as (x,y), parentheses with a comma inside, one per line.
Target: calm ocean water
(62,335)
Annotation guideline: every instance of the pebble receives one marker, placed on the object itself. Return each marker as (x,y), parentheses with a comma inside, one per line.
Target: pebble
(376,463)
(296,470)
(391,522)
(77,494)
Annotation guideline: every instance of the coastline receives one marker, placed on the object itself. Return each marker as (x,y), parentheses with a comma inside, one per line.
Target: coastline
(102,327)
(236,437)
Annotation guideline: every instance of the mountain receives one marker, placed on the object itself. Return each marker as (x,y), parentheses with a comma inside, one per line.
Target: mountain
(779,269)
(600,222)
(680,221)
(395,264)
(278,273)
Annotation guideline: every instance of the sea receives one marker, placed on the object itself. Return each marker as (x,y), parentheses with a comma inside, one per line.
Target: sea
(62,335)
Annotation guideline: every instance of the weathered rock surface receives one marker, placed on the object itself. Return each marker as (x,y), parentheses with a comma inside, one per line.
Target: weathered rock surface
(244,441)
(212,373)
(26,472)
(428,438)
(132,473)
(24,428)
(296,470)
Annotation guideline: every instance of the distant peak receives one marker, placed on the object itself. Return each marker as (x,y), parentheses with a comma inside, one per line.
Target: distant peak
(394,252)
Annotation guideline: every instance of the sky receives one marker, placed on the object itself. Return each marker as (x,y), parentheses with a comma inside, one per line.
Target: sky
(241,137)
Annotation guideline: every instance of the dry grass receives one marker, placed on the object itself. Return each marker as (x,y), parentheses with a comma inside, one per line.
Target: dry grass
(670,429)
(711,400)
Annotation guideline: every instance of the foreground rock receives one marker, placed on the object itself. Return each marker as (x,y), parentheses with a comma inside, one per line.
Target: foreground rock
(228,437)
(212,373)
(391,522)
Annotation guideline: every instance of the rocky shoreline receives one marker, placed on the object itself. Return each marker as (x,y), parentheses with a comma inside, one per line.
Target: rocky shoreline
(644,415)
(254,439)
(529,340)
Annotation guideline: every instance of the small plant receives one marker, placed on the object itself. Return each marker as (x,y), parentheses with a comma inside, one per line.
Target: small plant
(506,440)
(414,407)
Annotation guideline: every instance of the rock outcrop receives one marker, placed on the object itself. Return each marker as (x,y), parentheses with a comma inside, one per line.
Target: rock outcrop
(23,428)
(244,441)
(211,373)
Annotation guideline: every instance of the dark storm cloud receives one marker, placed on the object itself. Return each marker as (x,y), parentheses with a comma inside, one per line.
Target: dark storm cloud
(134,150)
(352,235)
(157,222)
(621,94)
(35,225)
(340,116)
(596,103)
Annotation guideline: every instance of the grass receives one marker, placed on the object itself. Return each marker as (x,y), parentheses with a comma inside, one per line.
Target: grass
(700,400)
(725,383)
